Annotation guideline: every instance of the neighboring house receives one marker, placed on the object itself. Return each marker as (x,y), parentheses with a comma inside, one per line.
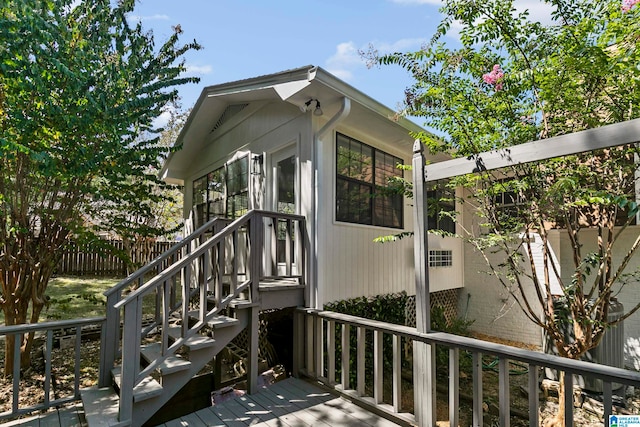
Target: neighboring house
(496,313)
(303,141)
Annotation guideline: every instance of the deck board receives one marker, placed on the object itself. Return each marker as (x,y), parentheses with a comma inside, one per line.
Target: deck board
(289,403)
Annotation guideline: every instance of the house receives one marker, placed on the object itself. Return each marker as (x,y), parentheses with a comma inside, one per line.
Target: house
(303,141)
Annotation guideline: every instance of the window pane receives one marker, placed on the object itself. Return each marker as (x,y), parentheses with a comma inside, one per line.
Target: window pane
(362,180)
(237,176)
(199,190)
(353,203)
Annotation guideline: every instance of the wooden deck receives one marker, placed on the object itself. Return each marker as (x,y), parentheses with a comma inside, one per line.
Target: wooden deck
(288,403)
(291,402)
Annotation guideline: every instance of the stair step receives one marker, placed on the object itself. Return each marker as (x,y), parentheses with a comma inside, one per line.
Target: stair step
(242,303)
(194,343)
(100,406)
(146,389)
(217,322)
(171,364)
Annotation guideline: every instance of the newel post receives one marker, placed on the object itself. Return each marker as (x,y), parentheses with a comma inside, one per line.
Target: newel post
(423,354)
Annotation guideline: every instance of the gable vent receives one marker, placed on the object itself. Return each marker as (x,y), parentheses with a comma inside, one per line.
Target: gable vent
(229,112)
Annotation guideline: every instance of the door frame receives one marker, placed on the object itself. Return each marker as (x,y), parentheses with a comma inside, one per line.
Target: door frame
(281,153)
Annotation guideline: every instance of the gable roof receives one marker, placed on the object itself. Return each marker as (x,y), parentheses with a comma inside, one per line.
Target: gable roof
(227,102)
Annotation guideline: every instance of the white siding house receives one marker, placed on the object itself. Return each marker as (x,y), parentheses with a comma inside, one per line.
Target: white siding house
(303,141)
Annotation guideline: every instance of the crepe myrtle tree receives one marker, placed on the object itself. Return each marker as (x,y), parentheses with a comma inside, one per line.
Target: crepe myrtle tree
(501,79)
(80,86)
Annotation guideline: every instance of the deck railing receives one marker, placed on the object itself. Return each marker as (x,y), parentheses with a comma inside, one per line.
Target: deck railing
(316,356)
(65,332)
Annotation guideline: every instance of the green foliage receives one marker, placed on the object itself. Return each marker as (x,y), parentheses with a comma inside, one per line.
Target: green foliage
(507,80)
(80,88)
(391,308)
(386,308)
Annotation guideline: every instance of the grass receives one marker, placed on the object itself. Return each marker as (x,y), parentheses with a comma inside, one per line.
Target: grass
(76,297)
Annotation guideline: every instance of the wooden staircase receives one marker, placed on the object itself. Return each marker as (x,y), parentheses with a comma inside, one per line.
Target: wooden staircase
(198,297)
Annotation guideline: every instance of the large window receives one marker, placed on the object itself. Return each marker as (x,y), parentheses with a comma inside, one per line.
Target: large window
(441,206)
(363,193)
(222,192)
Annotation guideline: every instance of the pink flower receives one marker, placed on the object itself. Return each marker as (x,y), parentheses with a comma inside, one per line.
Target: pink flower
(495,76)
(628,4)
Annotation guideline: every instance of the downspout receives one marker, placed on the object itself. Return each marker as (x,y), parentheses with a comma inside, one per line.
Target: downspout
(345,109)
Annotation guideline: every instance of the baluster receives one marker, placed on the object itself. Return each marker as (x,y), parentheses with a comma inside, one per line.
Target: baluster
(477,389)
(360,353)
(17,341)
(533,395)
(454,386)
(167,295)
(274,246)
(47,367)
(503,392)
(568,399)
(186,295)
(203,288)
(287,248)
(331,350)
(309,345)
(397,373)
(218,291)
(76,385)
(346,350)
(319,346)
(607,400)
(377,366)
(234,262)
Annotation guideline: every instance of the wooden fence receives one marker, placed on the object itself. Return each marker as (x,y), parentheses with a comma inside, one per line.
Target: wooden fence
(100,259)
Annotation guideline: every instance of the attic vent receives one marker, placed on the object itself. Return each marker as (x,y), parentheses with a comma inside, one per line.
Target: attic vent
(229,112)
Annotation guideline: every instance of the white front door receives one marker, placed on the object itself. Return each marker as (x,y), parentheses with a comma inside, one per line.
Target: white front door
(284,184)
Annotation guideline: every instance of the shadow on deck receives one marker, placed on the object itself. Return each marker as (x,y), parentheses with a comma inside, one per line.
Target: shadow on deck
(291,402)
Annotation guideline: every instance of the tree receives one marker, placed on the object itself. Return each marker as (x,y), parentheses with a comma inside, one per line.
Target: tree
(511,80)
(141,223)
(79,88)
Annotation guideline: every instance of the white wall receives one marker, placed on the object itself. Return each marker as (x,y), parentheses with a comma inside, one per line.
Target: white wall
(350,264)
(630,294)
(488,303)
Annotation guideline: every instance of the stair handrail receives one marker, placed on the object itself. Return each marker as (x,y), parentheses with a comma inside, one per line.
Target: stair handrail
(131,304)
(114,294)
(142,271)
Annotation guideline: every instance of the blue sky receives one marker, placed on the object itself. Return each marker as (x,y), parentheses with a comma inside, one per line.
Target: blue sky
(249,38)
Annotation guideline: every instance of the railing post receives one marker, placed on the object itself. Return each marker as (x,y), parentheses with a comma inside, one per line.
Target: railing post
(424,354)
(110,339)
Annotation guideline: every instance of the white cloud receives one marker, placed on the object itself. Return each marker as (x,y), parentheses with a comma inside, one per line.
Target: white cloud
(199,69)
(163,119)
(156,17)
(347,57)
(344,60)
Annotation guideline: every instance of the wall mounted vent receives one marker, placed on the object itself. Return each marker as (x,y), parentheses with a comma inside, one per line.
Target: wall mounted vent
(229,112)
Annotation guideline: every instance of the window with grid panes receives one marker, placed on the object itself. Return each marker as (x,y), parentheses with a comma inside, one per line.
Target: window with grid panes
(222,192)
(362,178)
